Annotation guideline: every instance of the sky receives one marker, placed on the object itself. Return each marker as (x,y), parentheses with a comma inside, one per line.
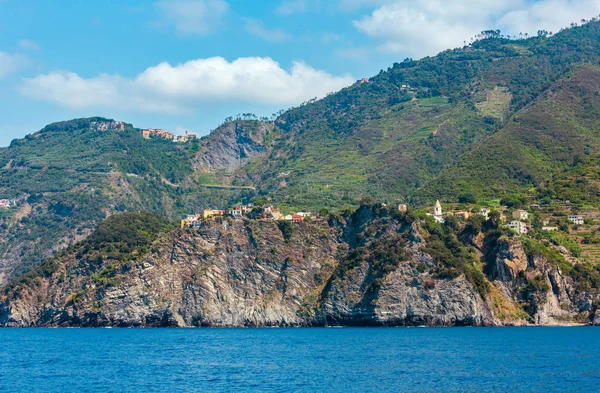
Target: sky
(188,64)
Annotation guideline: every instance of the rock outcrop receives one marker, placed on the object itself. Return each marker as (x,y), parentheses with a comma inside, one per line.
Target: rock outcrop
(371,268)
(232,145)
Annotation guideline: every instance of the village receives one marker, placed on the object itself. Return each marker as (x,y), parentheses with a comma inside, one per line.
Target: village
(264,212)
(158,133)
(518,220)
(147,133)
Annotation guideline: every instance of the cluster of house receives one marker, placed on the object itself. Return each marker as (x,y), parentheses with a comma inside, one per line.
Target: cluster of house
(7,203)
(517,223)
(440,216)
(268,212)
(158,133)
(107,126)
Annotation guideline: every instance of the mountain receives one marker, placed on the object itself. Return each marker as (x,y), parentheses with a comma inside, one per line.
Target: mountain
(374,267)
(497,119)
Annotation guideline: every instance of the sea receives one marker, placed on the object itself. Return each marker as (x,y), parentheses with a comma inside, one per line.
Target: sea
(544,359)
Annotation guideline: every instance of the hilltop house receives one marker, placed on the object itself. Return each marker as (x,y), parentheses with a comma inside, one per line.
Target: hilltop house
(208,213)
(190,221)
(297,217)
(150,132)
(518,226)
(485,213)
(235,212)
(520,214)
(190,136)
(576,219)
(402,208)
(275,213)
(4,204)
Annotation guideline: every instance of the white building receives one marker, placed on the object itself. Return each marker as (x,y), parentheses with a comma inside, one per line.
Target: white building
(576,219)
(550,229)
(235,212)
(518,226)
(485,213)
(438,213)
(437,210)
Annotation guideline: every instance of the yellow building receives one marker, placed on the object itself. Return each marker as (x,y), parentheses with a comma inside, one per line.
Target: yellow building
(208,213)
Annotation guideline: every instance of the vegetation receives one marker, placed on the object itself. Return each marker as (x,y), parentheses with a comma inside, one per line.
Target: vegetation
(118,240)
(452,257)
(502,118)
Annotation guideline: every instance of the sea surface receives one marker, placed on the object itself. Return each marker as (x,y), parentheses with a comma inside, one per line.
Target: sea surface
(565,359)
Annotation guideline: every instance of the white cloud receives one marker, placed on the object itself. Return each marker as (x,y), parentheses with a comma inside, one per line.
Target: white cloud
(11,63)
(193,17)
(289,7)
(550,15)
(258,29)
(177,89)
(429,26)
(28,44)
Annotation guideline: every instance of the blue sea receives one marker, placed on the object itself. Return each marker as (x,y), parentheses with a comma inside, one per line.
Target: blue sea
(301,360)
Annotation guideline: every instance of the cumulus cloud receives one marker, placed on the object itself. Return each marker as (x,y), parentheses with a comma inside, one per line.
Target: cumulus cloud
(258,29)
(289,7)
(429,26)
(193,17)
(551,15)
(11,63)
(172,89)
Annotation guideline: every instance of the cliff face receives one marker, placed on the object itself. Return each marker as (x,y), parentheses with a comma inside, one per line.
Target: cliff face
(368,269)
(548,295)
(233,145)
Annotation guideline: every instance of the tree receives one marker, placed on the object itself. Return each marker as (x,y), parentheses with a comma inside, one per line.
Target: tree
(467,197)
(542,33)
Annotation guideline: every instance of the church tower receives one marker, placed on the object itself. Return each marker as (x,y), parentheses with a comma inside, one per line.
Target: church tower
(437,210)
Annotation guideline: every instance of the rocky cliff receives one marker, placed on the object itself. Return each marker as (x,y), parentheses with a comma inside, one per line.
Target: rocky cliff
(233,145)
(370,268)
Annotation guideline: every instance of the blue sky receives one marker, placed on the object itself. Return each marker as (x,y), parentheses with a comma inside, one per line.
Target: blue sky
(188,64)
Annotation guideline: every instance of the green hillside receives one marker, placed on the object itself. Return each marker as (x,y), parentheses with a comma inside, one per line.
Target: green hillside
(68,178)
(499,118)
(556,132)
(391,136)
